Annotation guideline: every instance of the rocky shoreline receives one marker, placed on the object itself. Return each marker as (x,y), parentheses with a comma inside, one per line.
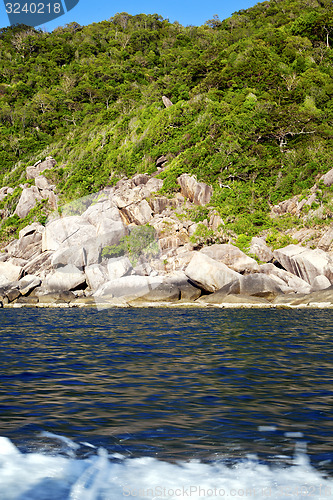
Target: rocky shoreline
(129,246)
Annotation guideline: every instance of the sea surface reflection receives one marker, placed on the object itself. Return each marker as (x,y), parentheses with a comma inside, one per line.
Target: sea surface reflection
(170,383)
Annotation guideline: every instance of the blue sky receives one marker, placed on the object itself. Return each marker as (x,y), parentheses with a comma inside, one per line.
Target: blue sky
(184,11)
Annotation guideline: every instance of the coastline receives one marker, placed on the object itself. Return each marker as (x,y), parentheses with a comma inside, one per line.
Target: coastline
(167,305)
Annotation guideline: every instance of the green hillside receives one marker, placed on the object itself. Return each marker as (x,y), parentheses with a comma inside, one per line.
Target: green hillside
(252,110)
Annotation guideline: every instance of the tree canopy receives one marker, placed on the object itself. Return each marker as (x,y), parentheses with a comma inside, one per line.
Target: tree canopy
(252,102)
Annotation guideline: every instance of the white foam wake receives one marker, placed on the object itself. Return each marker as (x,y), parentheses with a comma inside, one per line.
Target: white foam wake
(36,476)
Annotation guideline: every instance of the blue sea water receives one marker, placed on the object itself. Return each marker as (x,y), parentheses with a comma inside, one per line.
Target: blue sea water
(166,403)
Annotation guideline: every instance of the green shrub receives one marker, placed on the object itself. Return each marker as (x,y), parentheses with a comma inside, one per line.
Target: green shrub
(276,240)
(140,243)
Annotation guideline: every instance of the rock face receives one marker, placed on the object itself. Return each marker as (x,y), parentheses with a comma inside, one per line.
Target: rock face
(197,192)
(320,283)
(41,182)
(10,272)
(259,285)
(139,213)
(293,205)
(165,292)
(159,204)
(67,278)
(74,255)
(130,287)
(28,199)
(232,257)
(118,267)
(167,103)
(104,210)
(66,232)
(305,263)
(75,232)
(221,297)
(127,193)
(326,240)
(259,248)
(96,276)
(209,274)
(294,283)
(29,244)
(328,178)
(5,191)
(47,264)
(28,283)
(40,166)
(39,265)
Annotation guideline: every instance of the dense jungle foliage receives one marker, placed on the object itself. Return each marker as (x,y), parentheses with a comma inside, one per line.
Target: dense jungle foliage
(252,110)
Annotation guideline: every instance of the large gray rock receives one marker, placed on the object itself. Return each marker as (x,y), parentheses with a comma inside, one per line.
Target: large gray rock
(108,233)
(169,242)
(215,220)
(259,248)
(127,195)
(130,287)
(96,276)
(140,179)
(39,265)
(154,185)
(28,283)
(305,263)
(166,226)
(40,166)
(209,274)
(289,206)
(143,269)
(282,284)
(197,192)
(259,285)
(159,204)
(27,246)
(5,191)
(187,291)
(232,257)
(166,101)
(165,292)
(321,298)
(66,232)
(3,256)
(181,260)
(28,199)
(10,271)
(118,267)
(328,178)
(137,213)
(66,278)
(48,194)
(320,283)
(326,240)
(17,261)
(75,256)
(35,227)
(295,283)
(3,280)
(98,212)
(42,183)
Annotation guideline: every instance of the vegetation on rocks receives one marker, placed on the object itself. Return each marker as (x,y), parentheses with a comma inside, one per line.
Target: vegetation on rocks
(140,243)
(252,111)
